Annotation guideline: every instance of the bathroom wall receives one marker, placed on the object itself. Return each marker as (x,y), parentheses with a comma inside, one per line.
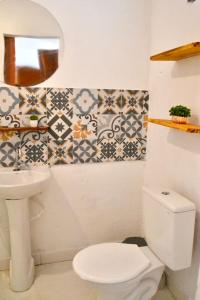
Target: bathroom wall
(106,43)
(106,46)
(174,157)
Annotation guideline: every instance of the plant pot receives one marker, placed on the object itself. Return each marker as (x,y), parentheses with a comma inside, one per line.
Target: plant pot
(33,123)
(179,120)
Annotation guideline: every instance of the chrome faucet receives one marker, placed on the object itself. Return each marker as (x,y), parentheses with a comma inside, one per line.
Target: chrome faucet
(19,164)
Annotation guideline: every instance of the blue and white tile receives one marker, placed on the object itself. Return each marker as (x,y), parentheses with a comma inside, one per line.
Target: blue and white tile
(8,151)
(9,99)
(132,126)
(109,126)
(85,101)
(84,151)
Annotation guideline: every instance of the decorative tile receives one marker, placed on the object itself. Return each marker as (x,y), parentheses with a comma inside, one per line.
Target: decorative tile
(121,149)
(85,101)
(34,149)
(60,152)
(6,136)
(32,101)
(146,103)
(9,100)
(59,102)
(132,101)
(8,151)
(84,126)
(132,126)
(84,151)
(110,150)
(109,126)
(134,149)
(10,120)
(60,127)
(109,101)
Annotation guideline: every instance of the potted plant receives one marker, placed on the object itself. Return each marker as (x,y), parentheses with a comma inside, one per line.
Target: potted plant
(33,121)
(180,114)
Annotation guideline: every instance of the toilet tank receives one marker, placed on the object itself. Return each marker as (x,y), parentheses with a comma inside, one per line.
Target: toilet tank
(169,220)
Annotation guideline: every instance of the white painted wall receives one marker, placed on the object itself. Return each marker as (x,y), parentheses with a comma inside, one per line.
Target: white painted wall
(106,46)
(106,43)
(174,157)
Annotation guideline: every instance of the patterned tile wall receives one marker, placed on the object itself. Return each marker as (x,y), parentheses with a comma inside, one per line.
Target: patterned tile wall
(85,125)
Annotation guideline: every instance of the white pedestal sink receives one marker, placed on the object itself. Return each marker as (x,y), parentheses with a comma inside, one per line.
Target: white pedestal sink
(16,188)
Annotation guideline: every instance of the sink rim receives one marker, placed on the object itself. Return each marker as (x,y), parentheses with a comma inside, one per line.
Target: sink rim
(46,176)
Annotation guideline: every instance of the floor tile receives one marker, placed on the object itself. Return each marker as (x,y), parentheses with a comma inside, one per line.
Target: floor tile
(58,281)
(163,294)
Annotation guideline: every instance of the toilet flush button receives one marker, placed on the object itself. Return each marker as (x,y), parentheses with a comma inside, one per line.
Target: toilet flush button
(165,193)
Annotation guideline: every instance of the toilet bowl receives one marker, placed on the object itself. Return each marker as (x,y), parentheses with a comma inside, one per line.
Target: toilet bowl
(125,271)
(119,271)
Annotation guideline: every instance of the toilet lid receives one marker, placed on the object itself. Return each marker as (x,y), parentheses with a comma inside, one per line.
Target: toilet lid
(110,263)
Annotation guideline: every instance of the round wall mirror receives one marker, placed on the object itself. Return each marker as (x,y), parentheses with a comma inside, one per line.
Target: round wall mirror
(31,43)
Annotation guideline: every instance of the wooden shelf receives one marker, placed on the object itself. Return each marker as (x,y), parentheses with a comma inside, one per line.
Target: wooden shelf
(183,127)
(23,129)
(179,53)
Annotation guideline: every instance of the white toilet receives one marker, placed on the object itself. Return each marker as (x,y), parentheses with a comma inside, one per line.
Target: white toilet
(126,272)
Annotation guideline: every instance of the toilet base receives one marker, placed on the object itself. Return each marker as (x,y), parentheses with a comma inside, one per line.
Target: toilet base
(143,290)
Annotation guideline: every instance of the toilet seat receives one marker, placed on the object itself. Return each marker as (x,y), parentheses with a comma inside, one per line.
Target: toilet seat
(110,263)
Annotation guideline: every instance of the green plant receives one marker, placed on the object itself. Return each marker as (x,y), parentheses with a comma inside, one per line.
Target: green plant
(34,118)
(180,111)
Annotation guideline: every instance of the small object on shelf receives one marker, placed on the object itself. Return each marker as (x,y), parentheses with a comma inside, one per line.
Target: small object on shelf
(180,120)
(191,128)
(180,114)
(33,121)
(179,53)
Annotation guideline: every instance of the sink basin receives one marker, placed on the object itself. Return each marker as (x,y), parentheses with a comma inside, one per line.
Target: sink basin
(16,188)
(22,184)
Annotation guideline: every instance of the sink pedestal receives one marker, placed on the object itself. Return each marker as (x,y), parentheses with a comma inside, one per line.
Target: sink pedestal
(16,188)
(21,263)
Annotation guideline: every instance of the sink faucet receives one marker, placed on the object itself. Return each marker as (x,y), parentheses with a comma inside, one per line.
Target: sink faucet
(19,165)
